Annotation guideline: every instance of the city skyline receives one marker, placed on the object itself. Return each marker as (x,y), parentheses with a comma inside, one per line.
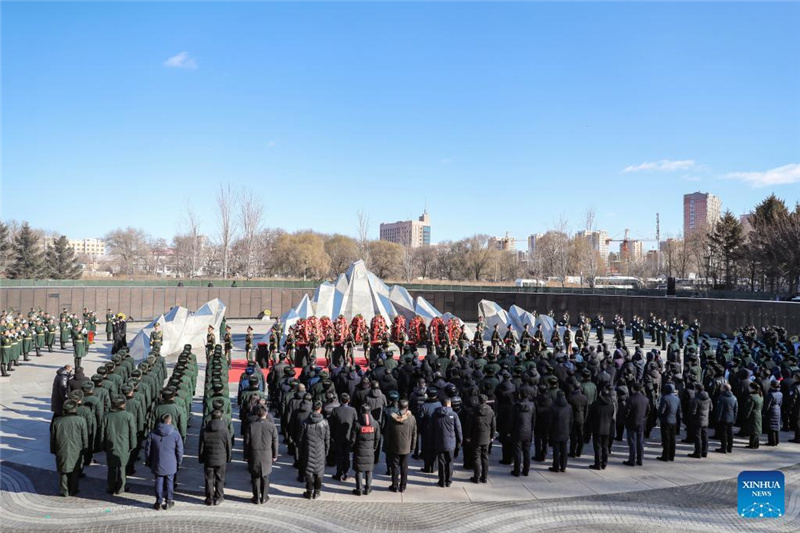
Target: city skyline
(484,113)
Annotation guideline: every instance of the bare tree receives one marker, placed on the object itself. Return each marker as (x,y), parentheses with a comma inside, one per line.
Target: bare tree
(478,256)
(251,213)
(343,250)
(425,259)
(408,263)
(193,245)
(591,256)
(363,236)
(561,258)
(129,247)
(226,200)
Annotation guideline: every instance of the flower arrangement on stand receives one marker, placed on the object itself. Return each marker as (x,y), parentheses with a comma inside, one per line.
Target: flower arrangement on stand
(339,330)
(398,327)
(416,331)
(377,329)
(358,326)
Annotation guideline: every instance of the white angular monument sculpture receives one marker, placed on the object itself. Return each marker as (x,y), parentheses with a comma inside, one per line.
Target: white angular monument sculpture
(426,310)
(180,327)
(493,314)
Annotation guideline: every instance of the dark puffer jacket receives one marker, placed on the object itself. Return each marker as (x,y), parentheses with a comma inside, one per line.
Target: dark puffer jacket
(482,426)
(700,409)
(772,409)
(523,419)
(400,433)
(215,444)
(315,442)
(561,424)
(60,390)
(364,439)
(446,430)
(727,408)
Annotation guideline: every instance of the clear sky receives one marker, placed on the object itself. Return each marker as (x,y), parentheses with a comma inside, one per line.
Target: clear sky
(501,116)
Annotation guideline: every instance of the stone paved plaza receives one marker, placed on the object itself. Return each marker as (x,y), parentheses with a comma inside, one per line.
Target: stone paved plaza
(689,494)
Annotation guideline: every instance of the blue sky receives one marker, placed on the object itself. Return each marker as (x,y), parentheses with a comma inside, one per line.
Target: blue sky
(502,117)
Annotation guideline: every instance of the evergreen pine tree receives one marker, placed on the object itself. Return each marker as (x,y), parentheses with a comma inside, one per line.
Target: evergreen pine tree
(27,261)
(61,263)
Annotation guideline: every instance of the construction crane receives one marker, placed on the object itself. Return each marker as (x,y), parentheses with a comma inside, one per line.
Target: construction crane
(625,242)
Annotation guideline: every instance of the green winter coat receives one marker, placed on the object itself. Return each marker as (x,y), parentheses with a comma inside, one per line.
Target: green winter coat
(119,436)
(69,437)
(752,413)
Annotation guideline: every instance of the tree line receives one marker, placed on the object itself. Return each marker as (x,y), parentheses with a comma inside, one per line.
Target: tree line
(762,257)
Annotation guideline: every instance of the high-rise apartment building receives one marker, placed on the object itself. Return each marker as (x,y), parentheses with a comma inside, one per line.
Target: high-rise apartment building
(413,233)
(598,240)
(700,212)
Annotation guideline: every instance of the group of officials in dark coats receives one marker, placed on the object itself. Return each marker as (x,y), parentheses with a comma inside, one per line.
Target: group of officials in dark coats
(434,407)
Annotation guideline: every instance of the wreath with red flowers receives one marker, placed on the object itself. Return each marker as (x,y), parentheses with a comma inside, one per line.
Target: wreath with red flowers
(398,327)
(339,330)
(377,329)
(437,330)
(416,330)
(358,327)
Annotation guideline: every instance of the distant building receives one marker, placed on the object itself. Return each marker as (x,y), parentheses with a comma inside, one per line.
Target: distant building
(631,250)
(532,243)
(413,233)
(506,243)
(598,240)
(92,247)
(747,224)
(700,212)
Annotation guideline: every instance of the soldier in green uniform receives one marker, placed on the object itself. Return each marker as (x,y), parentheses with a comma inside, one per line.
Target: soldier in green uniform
(168,406)
(248,344)
(69,437)
(495,340)
(88,415)
(119,438)
(109,324)
(78,344)
(50,335)
(156,338)
(65,335)
(39,334)
(95,404)
(228,339)
(5,353)
(273,351)
(211,340)
(27,340)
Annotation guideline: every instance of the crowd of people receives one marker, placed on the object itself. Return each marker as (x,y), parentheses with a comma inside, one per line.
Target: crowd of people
(38,331)
(525,395)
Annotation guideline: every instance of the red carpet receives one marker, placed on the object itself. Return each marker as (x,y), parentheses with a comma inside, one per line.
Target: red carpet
(238,366)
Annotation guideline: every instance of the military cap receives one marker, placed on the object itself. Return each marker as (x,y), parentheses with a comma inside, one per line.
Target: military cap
(126,389)
(217,386)
(110,365)
(253,380)
(394,395)
(136,374)
(76,395)
(217,404)
(87,386)
(70,407)
(118,401)
(432,392)
(97,379)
